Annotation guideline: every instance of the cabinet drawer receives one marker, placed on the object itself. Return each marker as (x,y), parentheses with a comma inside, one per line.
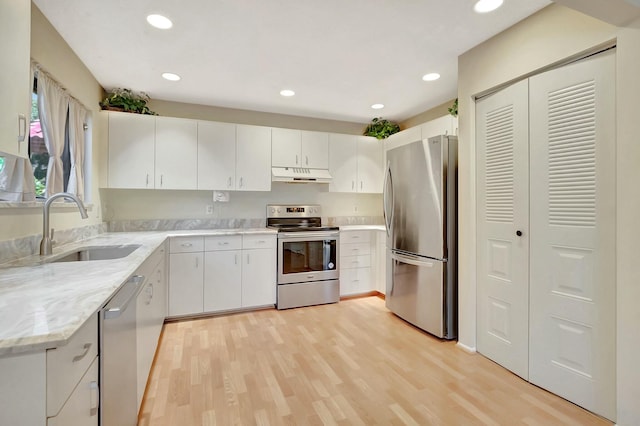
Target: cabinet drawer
(257,241)
(67,364)
(355,236)
(186,244)
(148,268)
(82,406)
(348,262)
(355,281)
(223,242)
(357,249)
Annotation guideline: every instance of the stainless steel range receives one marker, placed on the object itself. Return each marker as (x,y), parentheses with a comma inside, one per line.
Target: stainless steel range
(308,269)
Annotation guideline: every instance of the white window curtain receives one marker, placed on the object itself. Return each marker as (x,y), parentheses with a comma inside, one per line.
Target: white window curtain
(53,103)
(77,119)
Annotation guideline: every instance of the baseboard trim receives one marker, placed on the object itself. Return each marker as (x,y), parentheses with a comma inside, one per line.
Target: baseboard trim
(359,295)
(468,349)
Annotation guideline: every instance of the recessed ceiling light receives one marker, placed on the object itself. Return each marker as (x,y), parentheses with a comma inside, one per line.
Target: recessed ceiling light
(159,21)
(484,6)
(431,76)
(170,76)
(377,106)
(287,92)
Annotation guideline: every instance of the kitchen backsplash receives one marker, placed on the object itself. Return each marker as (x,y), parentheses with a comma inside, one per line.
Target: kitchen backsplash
(30,245)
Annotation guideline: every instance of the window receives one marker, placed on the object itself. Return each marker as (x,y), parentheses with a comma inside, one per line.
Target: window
(60,130)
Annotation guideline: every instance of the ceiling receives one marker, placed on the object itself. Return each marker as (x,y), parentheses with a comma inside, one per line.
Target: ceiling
(339,56)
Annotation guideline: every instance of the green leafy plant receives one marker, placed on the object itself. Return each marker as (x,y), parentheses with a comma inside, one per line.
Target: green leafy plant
(128,101)
(381,129)
(453,109)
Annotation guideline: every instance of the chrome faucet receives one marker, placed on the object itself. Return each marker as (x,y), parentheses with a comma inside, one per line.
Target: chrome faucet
(47,236)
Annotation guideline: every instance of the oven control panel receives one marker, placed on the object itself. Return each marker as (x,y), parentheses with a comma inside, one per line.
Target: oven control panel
(290,210)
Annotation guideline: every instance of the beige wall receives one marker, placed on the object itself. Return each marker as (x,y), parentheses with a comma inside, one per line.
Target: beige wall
(423,117)
(53,53)
(546,38)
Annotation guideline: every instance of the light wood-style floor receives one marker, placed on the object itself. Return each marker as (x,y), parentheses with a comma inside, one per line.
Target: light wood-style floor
(351,363)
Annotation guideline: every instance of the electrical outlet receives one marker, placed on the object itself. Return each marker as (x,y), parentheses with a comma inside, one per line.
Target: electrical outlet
(209,209)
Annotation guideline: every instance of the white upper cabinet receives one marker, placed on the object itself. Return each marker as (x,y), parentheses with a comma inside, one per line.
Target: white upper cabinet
(131,150)
(253,158)
(315,150)
(370,167)
(176,153)
(285,149)
(15,38)
(355,164)
(296,148)
(216,155)
(343,152)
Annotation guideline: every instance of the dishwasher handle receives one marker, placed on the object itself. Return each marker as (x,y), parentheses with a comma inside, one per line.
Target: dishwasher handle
(118,303)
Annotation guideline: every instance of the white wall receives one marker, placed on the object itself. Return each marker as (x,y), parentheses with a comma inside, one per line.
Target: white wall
(546,38)
(127,204)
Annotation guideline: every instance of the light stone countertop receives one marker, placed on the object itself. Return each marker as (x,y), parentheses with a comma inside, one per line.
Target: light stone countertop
(362,228)
(43,304)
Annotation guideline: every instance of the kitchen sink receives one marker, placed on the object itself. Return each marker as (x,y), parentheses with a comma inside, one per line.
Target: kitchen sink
(85,254)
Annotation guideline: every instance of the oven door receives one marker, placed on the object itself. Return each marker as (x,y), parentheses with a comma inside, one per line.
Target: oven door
(307,256)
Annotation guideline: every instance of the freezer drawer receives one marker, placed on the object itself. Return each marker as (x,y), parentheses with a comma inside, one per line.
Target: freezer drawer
(416,292)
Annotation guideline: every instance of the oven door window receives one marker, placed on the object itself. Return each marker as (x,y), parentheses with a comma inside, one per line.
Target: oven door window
(308,256)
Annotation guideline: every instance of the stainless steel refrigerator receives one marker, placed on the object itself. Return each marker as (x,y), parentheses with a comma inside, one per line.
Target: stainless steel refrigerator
(420,209)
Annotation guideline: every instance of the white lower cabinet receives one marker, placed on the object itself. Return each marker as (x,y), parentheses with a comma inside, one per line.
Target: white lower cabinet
(356,275)
(221,273)
(81,409)
(151,310)
(223,280)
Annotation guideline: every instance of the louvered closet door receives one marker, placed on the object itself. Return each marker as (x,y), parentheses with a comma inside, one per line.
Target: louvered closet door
(503,212)
(573,290)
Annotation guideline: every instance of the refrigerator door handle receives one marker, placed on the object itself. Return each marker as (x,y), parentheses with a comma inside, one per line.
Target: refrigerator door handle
(413,260)
(388,188)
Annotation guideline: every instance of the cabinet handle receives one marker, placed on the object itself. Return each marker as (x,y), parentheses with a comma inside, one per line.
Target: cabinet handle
(261,242)
(85,348)
(22,127)
(355,236)
(307,159)
(360,185)
(226,243)
(248,258)
(161,176)
(229,182)
(186,244)
(196,262)
(296,159)
(353,185)
(147,179)
(241,182)
(95,397)
(235,259)
(149,294)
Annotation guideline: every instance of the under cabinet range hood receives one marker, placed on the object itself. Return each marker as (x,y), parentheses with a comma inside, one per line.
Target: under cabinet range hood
(300,175)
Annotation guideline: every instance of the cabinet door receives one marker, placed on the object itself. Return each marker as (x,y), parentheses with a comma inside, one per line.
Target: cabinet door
(285,148)
(355,281)
(131,150)
(258,277)
(176,153)
(185,283)
(343,162)
(216,155)
(15,108)
(222,280)
(370,170)
(81,409)
(253,158)
(315,150)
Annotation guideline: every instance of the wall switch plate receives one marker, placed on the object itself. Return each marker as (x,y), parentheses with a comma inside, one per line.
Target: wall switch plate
(209,209)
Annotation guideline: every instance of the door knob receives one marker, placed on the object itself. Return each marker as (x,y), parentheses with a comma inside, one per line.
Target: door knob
(519,233)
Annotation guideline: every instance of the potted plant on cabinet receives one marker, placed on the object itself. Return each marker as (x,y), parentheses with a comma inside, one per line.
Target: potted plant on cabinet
(127,100)
(381,129)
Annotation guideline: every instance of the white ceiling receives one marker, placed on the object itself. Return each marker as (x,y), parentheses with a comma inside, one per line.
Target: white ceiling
(340,56)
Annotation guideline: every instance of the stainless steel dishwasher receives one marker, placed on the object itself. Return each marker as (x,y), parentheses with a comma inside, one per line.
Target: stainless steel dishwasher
(118,363)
